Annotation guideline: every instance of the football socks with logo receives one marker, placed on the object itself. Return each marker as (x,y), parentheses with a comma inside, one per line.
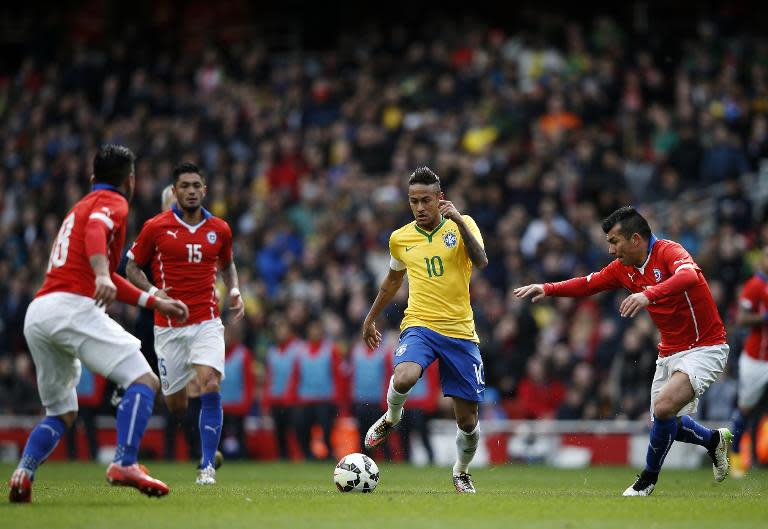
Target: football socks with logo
(395,402)
(211,418)
(739,426)
(689,431)
(466,446)
(663,434)
(133,414)
(42,440)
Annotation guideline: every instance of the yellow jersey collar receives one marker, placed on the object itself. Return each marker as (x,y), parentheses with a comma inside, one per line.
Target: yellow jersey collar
(430,234)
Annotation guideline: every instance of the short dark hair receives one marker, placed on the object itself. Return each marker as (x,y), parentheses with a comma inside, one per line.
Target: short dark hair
(112,164)
(186,167)
(631,222)
(426,176)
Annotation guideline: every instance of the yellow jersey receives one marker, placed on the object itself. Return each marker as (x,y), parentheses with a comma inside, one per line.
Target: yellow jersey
(439,269)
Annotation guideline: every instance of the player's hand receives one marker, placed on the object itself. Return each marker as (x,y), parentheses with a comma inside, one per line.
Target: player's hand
(172,308)
(535,290)
(448,210)
(236,307)
(633,304)
(371,336)
(162,293)
(105,292)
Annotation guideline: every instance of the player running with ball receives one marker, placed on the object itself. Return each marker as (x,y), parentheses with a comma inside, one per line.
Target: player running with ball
(663,278)
(437,251)
(186,245)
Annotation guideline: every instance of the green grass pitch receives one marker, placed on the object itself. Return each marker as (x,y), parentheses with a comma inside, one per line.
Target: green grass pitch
(295,496)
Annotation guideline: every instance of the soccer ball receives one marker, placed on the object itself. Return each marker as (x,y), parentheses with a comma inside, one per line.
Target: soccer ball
(356,472)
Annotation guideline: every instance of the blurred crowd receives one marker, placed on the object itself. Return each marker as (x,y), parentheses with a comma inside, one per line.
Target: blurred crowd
(537,134)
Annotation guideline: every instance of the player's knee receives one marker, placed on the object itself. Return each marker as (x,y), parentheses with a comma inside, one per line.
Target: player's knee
(150,380)
(69,418)
(211,385)
(406,376)
(664,408)
(467,424)
(210,381)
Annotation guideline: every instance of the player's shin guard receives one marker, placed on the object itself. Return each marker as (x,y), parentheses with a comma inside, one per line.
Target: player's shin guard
(41,442)
(663,434)
(133,415)
(466,446)
(211,419)
(739,427)
(689,431)
(395,402)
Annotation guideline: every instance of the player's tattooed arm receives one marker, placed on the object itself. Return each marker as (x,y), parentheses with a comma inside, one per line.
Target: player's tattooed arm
(137,276)
(475,250)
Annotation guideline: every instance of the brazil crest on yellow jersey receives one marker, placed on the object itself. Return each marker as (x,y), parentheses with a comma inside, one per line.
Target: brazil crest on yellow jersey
(439,270)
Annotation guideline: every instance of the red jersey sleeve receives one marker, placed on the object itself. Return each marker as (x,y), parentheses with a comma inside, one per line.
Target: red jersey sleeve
(605,279)
(105,220)
(683,273)
(749,298)
(675,258)
(142,248)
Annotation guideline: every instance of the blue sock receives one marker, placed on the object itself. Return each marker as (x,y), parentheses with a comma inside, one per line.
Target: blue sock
(133,414)
(42,440)
(211,418)
(689,431)
(663,434)
(739,427)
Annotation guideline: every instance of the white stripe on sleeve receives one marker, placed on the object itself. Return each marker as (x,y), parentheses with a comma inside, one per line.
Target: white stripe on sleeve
(103,218)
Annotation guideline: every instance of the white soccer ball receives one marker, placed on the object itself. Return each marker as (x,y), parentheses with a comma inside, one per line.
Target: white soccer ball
(356,472)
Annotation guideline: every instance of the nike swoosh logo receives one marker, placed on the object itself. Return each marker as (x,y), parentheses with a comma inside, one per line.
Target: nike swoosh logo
(480,390)
(409,248)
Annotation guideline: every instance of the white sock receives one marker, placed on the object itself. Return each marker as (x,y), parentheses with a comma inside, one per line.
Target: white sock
(466,446)
(395,403)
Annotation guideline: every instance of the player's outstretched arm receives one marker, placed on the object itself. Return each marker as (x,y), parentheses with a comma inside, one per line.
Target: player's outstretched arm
(137,276)
(387,291)
(236,306)
(535,290)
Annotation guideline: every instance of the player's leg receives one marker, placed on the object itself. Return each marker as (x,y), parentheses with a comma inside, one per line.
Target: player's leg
(467,440)
(678,383)
(413,355)
(191,422)
(462,377)
(108,349)
(206,353)
(211,420)
(57,374)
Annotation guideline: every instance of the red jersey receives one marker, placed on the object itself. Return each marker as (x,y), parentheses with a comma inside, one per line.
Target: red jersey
(681,304)
(186,259)
(754,298)
(69,269)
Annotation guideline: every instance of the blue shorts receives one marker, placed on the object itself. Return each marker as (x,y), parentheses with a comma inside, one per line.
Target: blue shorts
(461,367)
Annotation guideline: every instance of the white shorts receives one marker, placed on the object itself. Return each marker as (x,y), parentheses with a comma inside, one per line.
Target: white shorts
(702,365)
(63,329)
(178,349)
(753,379)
